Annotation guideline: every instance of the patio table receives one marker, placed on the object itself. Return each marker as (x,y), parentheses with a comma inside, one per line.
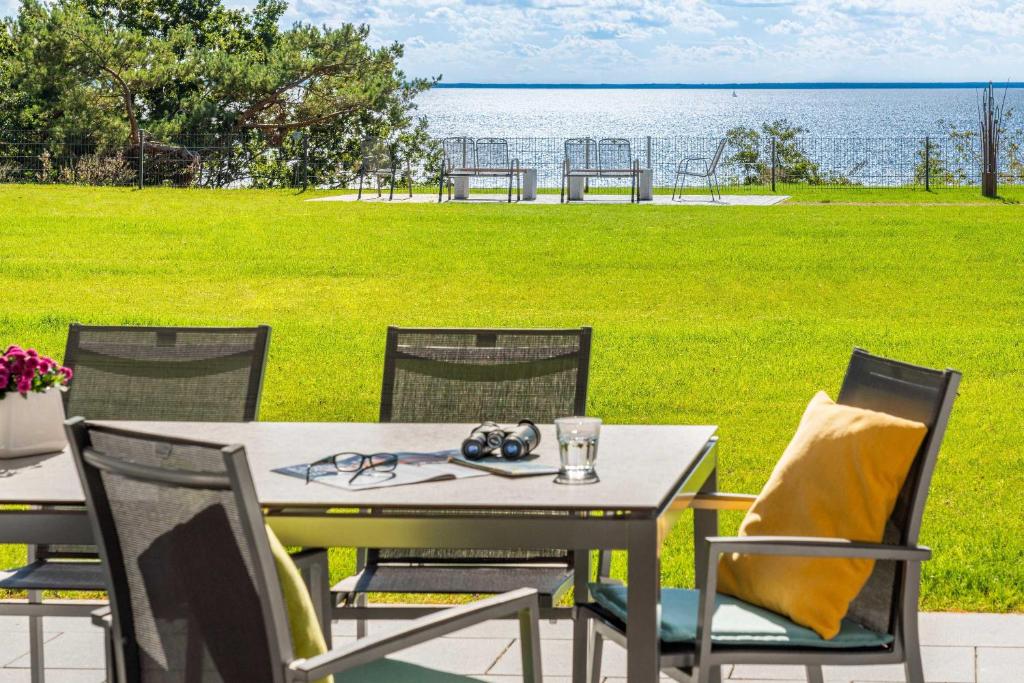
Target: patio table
(648,475)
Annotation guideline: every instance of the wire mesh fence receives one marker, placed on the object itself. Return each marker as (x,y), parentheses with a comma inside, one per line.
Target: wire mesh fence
(318,158)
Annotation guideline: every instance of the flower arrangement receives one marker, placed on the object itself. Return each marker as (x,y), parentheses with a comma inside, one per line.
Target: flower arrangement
(24,371)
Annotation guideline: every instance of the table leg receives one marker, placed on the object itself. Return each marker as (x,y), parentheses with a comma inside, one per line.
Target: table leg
(705,525)
(580,627)
(644,603)
(462,187)
(577,187)
(529,184)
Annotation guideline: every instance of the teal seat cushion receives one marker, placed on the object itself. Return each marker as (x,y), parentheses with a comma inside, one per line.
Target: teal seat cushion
(735,622)
(392,671)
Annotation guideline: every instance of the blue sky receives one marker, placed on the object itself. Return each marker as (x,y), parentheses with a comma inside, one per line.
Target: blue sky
(593,41)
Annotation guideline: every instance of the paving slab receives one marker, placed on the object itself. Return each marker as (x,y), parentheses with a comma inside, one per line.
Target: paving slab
(1000,665)
(553,200)
(979,630)
(72,650)
(941,665)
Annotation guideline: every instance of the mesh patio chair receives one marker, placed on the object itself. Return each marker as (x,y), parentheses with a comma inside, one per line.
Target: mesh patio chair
(139,373)
(382,162)
(160,509)
(480,158)
(472,375)
(885,609)
(607,158)
(708,173)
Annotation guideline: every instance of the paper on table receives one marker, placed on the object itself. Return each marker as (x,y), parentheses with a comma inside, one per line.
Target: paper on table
(412,468)
(506,468)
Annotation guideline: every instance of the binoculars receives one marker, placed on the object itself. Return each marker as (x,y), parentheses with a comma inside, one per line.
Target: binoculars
(511,444)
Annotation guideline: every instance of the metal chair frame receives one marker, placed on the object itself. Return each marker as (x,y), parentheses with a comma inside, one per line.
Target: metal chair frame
(35,608)
(347,603)
(370,165)
(600,148)
(472,166)
(709,174)
(894,387)
(237,480)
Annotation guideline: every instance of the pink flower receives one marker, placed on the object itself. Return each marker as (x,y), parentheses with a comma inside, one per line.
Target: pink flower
(24,386)
(12,347)
(32,353)
(32,362)
(5,377)
(68,373)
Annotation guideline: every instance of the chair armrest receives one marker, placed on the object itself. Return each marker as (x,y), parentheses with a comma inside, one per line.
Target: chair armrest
(714,501)
(789,546)
(102,617)
(801,546)
(365,650)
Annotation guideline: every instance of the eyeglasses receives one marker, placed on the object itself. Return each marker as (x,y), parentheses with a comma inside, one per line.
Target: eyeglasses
(380,466)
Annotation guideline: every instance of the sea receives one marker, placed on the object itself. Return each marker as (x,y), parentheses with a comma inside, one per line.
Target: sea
(576,111)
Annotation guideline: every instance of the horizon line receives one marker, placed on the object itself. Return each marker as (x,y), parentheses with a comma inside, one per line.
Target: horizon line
(810,85)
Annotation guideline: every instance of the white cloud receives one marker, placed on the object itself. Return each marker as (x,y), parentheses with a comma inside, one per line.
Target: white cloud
(688,40)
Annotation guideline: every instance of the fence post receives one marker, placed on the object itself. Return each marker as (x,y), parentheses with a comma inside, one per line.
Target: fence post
(927,164)
(142,158)
(773,163)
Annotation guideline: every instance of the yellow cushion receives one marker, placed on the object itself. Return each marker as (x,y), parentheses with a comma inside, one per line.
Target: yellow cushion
(307,638)
(839,477)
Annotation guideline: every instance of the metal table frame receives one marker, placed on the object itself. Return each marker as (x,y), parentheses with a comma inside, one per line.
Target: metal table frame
(641,535)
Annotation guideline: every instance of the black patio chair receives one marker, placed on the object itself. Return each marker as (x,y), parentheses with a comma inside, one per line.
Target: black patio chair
(140,373)
(886,607)
(709,172)
(472,375)
(194,588)
(480,158)
(383,163)
(586,158)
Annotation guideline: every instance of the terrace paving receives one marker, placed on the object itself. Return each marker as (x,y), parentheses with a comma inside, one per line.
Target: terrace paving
(958,648)
(553,199)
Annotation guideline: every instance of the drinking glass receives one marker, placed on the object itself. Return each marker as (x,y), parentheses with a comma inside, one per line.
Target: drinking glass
(577,449)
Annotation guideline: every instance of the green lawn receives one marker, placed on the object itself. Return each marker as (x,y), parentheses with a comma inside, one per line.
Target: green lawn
(732,316)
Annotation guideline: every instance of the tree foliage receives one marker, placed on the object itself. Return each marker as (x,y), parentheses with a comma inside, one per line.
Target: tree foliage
(194,73)
(753,152)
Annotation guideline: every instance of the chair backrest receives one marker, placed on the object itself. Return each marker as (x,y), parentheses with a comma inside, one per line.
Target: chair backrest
(614,154)
(581,153)
(914,393)
(166,373)
(492,153)
(717,158)
(473,375)
(193,587)
(377,155)
(459,152)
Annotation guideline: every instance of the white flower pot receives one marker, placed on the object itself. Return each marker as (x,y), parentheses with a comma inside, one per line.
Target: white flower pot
(31,425)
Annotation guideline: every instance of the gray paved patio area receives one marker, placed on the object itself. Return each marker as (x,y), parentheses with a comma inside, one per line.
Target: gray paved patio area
(552,199)
(958,648)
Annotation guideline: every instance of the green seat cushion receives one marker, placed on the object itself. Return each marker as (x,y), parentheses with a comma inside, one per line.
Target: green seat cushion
(735,622)
(391,671)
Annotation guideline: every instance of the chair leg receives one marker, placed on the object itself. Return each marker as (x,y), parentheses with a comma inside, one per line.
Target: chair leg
(912,648)
(359,195)
(440,189)
(582,640)
(814,675)
(35,641)
(360,601)
(706,674)
(596,653)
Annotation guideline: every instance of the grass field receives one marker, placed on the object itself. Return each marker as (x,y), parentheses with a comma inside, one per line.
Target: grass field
(732,316)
